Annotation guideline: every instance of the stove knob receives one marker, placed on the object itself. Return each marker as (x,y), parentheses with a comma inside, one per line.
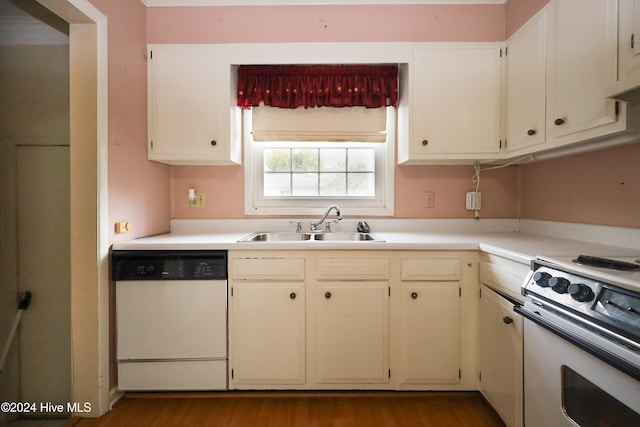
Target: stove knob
(541,278)
(581,292)
(559,284)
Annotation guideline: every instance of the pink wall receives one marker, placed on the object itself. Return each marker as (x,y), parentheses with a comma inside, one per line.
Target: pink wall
(268,24)
(517,12)
(601,187)
(224,186)
(138,189)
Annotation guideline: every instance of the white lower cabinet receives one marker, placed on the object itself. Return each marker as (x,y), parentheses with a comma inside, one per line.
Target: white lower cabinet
(501,349)
(322,319)
(352,344)
(430,332)
(269,333)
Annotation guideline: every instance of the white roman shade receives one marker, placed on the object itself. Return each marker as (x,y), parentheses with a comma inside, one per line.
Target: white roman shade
(346,124)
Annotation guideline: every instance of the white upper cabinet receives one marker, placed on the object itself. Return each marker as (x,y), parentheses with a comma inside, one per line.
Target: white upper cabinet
(451,108)
(627,87)
(628,39)
(192,117)
(559,66)
(581,64)
(525,84)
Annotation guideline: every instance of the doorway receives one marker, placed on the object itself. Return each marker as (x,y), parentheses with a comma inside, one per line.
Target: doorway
(42,190)
(89,230)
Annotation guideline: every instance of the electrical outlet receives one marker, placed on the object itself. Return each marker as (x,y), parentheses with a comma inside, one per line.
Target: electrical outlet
(473,201)
(429,199)
(198,202)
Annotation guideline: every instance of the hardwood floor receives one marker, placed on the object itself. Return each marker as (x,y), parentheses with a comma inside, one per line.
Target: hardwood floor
(299,409)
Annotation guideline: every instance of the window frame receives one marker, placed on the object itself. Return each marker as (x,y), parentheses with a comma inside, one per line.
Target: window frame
(380,205)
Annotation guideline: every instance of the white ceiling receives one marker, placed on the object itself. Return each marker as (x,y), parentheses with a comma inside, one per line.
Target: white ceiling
(158,3)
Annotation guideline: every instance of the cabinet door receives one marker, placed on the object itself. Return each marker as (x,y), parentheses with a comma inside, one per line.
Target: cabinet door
(525,84)
(268,333)
(430,332)
(352,344)
(189,105)
(582,64)
(501,356)
(629,38)
(456,101)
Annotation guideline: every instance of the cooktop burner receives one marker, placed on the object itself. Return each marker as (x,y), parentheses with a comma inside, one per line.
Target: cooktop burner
(613,264)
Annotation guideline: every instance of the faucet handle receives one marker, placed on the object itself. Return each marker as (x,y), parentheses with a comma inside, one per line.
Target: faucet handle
(363,227)
(327,226)
(298,225)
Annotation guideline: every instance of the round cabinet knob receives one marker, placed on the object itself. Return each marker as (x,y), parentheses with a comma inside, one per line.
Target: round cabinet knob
(425,142)
(327,295)
(541,278)
(558,121)
(507,320)
(214,142)
(292,295)
(531,132)
(581,292)
(559,284)
(414,295)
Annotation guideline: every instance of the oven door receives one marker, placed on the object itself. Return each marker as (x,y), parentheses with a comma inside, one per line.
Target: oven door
(573,376)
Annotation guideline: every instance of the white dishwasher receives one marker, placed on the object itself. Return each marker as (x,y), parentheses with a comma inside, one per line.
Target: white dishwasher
(171,319)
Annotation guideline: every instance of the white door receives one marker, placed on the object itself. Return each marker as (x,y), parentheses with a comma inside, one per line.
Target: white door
(44,269)
(352,332)
(268,333)
(430,332)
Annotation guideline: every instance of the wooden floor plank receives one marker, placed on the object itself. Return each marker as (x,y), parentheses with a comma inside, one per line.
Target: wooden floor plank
(298,409)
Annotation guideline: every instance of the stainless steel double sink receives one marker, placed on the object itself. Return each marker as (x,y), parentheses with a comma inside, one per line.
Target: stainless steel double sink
(339,236)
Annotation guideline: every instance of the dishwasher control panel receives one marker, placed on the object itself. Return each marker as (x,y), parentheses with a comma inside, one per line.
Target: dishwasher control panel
(169,265)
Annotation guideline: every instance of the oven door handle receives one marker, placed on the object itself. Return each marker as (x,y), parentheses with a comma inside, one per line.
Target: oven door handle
(599,352)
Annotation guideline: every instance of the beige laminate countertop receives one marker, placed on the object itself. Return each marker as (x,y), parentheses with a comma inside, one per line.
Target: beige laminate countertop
(516,246)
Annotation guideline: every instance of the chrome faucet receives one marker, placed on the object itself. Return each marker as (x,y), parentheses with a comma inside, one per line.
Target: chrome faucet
(327,227)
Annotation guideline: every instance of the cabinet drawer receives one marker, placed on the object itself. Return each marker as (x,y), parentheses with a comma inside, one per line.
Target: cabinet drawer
(505,278)
(430,269)
(353,269)
(267,268)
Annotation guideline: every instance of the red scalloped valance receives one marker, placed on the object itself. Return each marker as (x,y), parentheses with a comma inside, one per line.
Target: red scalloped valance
(292,86)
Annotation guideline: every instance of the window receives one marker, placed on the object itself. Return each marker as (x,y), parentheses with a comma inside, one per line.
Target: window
(306,174)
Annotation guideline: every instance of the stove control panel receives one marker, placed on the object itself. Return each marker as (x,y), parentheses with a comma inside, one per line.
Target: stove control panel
(582,297)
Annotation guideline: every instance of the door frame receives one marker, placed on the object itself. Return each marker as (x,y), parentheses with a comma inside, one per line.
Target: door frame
(88,48)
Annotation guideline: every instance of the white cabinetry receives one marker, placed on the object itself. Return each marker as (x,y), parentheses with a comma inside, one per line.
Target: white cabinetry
(501,336)
(267,317)
(352,321)
(575,41)
(430,316)
(453,111)
(501,348)
(436,334)
(627,88)
(192,118)
(318,319)
(525,84)
(581,64)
